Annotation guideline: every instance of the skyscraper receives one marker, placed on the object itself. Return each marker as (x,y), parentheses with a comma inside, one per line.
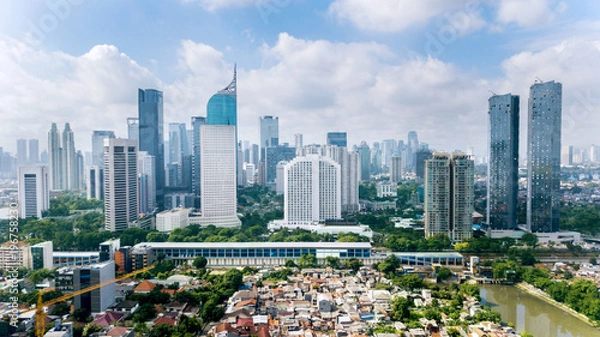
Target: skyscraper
(197,122)
(222,106)
(312,190)
(146,182)
(177,141)
(54,159)
(97,300)
(389,147)
(337,138)
(120,184)
(69,168)
(269,133)
(411,148)
(365,161)
(274,155)
(298,142)
(21,152)
(503,167)
(98,137)
(543,157)
(33,191)
(449,196)
(151,140)
(34,151)
(421,156)
(395,169)
(133,128)
(218,175)
(95,182)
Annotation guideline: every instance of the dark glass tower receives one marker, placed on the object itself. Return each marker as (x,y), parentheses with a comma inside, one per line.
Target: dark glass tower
(337,138)
(503,168)
(151,140)
(543,157)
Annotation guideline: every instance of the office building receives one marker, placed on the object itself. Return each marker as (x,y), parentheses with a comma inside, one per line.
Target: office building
(98,300)
(70,171)
(411,149)
(133,128)
(420,158)
(543,157)
(566,155)
(274,155)
(197,121)
(365,161)
(15,255)
(222,106)
(503,167)
(34,197)
(312,190)
(339,139)
(177,142)
(34,151)
(179,200)
(166,221)
(395,169)
(21,152)
(449,196)
(95,182)
(388,149)
(218,175)
(269,133)
(41,256)
(349,174)
(120,184)
(54,159)
(108,249)
(594,154)
(298,143)
(98,137)
(151,140)
(146,182)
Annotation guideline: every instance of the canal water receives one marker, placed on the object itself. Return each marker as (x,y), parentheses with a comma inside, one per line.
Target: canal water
(529,313)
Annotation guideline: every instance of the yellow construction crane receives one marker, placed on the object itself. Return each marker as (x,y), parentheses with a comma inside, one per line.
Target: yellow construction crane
(40,314)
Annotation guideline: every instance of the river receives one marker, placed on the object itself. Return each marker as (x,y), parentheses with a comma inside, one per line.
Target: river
(531,314)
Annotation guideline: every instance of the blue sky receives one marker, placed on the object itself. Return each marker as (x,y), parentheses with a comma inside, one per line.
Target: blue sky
(375,69)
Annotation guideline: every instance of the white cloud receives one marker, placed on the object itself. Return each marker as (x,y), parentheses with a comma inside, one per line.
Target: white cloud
(394,15)
(96,90)
(528,13)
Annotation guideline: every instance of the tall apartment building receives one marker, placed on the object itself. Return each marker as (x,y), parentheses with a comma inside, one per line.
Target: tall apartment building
(503,167)
(120,184)
(543,157)
(34,197)
(312,190)
(395,169)
(449,196)
(269,133)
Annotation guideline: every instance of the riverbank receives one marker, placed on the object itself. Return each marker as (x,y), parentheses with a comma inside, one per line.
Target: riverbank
(531,290)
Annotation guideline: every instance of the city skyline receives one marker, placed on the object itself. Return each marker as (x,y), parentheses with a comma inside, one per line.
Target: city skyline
(369,67)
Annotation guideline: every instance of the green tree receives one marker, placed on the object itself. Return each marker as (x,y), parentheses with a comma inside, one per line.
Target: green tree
(145,312)
(401,308)
(444,274)
(352,263)
(307,261)
(530,239)
(200,262)
(332,261)
(410,282)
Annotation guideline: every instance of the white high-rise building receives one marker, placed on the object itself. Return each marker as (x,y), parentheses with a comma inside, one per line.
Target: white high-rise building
(312,190)
(34,195)
(54,159)
(218,175)
(395,169)
(349,181)
(449,196)
(120,184)
(69,172)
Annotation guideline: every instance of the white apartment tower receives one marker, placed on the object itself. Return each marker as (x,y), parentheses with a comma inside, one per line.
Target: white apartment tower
(312,190)
(449,196)
(33,191)
(218,175)
(120,184)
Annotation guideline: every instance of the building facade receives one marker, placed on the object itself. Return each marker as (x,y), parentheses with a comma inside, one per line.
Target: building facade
(120,184)
(339,139)
(34,195)
(395,169)
(543,157)
(98,137)
(449,196)
(312,190)
(503,167)
(269,133)
(95,182)
(151,139)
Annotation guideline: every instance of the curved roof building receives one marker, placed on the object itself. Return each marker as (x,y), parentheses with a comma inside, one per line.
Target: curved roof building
(222,106)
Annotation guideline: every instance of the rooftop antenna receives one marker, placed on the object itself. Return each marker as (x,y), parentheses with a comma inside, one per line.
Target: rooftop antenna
(493,93)
(538,80)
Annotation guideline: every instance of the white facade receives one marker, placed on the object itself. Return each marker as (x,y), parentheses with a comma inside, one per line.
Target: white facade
(168,220)
(41,255)
(387,190)
(218,176)
(147,182)
(33,191)
(312,191)
(15,255)
(280,171)
(120,184)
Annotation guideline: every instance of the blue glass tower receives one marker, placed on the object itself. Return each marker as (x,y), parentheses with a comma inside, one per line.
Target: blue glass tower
(222,106)
(150,114)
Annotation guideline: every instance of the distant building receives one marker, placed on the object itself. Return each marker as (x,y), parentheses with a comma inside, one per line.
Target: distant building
(449,196)
(151,139)
(269,133)
(95,182)
(108,249)
(420,158)
(543,157)
(385,189)
(395,169)
(11,258)
(120,184)
(274,155)
(339,139)
(365,162)
(146,183)
(34,151)
(98,300)
(133,128)
(21,152)
(98,137)
(41,256)
(34,195)
(166,221)
(197,122)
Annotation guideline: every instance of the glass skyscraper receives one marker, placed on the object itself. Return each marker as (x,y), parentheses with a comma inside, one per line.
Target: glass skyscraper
(222,106)
(337,138)
(151,140)
(543,157)
(503,168)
